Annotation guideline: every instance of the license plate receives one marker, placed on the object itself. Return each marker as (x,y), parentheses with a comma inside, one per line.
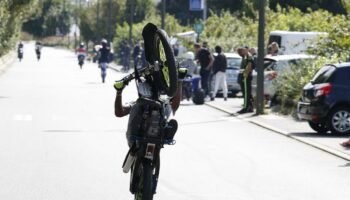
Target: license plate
(150,151)
(303,109)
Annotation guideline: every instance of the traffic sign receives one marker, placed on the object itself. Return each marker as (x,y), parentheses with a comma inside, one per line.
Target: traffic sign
(198,28)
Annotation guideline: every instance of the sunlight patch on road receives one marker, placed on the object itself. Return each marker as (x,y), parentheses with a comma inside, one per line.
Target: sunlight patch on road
(23,117)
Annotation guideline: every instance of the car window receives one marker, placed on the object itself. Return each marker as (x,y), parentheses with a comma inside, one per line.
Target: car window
(342,76)
(269,65)
(282,65)
(234,62)
(323,75)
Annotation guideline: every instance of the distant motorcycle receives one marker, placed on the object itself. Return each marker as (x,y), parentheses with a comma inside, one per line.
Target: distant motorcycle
(38,54)
(20,54)
(81,59)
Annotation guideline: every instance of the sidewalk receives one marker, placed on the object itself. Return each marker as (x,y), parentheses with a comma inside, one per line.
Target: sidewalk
(287,126)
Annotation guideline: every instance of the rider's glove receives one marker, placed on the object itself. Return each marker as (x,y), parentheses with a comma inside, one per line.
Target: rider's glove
(182,72)
(119,85)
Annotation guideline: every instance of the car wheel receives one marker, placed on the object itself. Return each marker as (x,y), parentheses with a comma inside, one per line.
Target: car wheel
(339,120)
(318,127)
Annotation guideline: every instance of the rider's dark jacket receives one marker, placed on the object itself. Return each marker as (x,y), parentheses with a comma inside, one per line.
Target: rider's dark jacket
(104,55)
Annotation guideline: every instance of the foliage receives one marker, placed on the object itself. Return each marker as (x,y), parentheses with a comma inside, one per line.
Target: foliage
(289,85)
(333,6)
(12,15)
(120,16)
(336,43)
(233,30)
(53,16)
(172,27)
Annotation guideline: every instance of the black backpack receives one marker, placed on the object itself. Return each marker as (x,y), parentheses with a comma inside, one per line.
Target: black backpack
(198,97)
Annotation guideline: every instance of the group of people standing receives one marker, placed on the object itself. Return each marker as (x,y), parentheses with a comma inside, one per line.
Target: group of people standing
(215,66)
(138,55)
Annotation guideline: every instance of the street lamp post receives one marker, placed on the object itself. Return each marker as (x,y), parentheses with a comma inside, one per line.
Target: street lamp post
(261,47)
(109,21)
(97,21)
(163,13)
(131,22)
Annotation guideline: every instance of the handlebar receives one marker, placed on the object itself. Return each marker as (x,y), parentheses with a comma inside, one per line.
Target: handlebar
(142,72)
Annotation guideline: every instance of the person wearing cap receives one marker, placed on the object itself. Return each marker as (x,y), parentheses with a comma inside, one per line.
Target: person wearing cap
(205,59)
(246,79)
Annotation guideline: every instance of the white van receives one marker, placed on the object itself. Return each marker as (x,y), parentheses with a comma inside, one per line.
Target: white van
(291,42)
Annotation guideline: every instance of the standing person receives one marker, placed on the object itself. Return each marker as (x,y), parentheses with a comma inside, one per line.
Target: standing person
(135,53)
(103,58)
(246,80)
(205,60)
(144,62)
(219,70)
(126,56)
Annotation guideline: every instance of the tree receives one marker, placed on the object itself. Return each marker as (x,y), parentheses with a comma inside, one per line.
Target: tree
(95,27)
(333,6)
(53,16)
(12,15)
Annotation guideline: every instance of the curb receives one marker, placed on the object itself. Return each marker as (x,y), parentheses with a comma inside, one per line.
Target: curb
(318,146)
(6,61)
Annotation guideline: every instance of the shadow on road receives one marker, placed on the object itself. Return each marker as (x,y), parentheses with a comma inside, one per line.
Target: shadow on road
(346,165)
(318,135)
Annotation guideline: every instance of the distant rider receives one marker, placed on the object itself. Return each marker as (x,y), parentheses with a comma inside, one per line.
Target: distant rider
(103,59)
(81,51)
(38,47)
(20,50)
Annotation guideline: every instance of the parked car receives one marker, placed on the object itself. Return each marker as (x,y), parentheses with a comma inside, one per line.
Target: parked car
(275,66)
(325,102)
(232,71)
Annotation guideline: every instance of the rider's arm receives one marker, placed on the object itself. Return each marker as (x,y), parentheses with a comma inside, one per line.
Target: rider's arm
(119,109)
(175,101)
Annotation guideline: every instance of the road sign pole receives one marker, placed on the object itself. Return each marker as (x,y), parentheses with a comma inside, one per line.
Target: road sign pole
(261,47)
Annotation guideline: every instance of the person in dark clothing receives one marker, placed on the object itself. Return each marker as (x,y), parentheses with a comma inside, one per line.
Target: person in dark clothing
(126,56)
(103,58)
(136,53)
(205,59)
(219,70)
(246,80)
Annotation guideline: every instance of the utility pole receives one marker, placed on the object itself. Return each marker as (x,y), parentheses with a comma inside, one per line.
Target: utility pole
(109,21)
(163,13)
(261,47)
(205,10)
(77,21)
(131,20)
(98,21)
(76,24)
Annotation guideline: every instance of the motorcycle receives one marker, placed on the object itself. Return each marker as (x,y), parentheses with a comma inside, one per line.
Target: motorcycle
(38,54)
(81,59)
(20,54)
(155,129)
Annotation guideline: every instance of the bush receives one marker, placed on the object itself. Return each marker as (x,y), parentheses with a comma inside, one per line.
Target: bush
(289,85)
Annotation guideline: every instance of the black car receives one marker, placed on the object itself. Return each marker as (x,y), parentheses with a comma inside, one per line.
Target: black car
(325,102)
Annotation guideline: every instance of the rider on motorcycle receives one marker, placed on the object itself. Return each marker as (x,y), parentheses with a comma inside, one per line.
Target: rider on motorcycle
(20,50)
(146,89)
(38,49)
(81,51)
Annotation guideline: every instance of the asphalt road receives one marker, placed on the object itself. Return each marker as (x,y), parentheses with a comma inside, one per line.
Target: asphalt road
(59,140)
